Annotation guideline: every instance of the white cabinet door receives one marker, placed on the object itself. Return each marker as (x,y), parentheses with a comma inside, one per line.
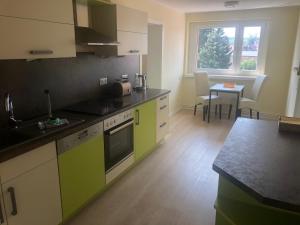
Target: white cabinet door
(131,20)
(60,11)
(2,211)
(34,197)
(132,43)
(46,39)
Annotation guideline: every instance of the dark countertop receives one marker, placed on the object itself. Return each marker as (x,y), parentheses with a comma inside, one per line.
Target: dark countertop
(263,162)
(81,121)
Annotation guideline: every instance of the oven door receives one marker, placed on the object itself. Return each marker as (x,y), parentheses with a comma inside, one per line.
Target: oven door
(118,144)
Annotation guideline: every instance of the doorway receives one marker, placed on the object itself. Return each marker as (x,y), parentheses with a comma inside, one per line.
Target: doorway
(293,103)
(152,65)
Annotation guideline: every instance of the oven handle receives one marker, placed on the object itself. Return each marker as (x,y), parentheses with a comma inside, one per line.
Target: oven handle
(120,128)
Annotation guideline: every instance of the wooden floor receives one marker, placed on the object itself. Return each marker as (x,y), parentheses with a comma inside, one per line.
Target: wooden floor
(174,185)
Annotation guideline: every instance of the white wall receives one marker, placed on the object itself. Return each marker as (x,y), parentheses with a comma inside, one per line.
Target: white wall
(282,33)
(173,44)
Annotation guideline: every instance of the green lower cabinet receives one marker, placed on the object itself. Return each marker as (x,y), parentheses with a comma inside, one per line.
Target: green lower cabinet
(144,129)
(236,207)
(82,175)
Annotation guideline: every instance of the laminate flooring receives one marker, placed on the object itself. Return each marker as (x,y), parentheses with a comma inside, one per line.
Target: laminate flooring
(175,185)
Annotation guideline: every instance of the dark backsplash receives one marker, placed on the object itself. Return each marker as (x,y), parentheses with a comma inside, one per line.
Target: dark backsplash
(70,80)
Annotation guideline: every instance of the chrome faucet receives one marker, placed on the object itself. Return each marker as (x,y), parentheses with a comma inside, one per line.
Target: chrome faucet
(50,115)
(9,108)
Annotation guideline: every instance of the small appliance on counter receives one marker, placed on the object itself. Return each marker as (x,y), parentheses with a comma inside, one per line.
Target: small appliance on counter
(140,81)
(121,87)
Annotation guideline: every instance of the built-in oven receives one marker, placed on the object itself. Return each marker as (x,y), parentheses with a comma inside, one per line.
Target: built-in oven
(118,144)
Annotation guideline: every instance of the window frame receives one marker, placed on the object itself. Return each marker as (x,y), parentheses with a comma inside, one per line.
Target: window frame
(193,43)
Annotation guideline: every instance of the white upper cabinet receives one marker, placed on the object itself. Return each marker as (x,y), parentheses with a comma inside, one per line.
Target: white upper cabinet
(35,29)
(132,31)
(29,39)
(60,11)
(131,20)
(125,25)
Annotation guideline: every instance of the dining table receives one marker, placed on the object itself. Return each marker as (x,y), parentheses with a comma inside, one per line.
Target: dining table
(235,89)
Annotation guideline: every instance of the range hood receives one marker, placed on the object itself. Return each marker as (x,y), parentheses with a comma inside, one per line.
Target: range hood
(87,30)
(88,36)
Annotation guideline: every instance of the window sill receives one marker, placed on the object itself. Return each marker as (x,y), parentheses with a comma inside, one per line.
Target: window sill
(226,77)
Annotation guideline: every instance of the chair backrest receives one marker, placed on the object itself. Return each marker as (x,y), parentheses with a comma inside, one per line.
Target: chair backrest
(257,86)
(201,83)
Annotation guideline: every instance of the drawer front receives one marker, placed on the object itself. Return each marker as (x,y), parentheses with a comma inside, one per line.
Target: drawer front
(60,11)
(163,101)
(27,161)
(162,130)
(132,43)
(29,39)
(162,114)
(162,111)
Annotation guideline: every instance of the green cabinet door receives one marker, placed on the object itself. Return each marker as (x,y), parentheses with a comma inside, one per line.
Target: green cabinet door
(144,129)
(82,175)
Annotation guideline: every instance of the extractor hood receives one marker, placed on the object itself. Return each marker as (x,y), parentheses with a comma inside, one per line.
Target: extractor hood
(87,32)
(88,36)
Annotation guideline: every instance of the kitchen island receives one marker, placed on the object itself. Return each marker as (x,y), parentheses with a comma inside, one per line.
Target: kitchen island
(259,176)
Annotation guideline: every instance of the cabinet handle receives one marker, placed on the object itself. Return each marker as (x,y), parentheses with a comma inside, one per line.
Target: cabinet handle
(134,51)
(137,116)
(162,125)
(163,107)
(1,215)
(162,98)
(41,52)
(11,191)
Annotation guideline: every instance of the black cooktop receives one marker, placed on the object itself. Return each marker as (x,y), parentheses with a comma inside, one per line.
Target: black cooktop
(99,107)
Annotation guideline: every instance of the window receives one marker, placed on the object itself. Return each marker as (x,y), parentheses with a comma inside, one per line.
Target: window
(232,48)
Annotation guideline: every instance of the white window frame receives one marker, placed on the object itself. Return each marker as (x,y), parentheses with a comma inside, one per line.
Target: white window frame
(193,39)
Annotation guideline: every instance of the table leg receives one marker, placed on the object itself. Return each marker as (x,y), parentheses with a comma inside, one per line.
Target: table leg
(237,105)
(242,93)
(209,105)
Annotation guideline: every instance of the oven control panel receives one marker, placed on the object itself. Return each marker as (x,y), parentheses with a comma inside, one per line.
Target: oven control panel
(118,119)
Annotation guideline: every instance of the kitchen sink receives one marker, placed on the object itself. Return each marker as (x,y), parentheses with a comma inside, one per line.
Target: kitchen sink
(30,130)
(12,137)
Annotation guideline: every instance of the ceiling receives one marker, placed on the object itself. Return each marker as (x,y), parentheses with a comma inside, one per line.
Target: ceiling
(218,5)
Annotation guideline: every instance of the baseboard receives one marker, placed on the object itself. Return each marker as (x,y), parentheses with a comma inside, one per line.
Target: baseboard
(263,115)
(175,111)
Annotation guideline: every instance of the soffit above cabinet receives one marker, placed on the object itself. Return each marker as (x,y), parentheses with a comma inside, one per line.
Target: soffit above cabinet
(60,11)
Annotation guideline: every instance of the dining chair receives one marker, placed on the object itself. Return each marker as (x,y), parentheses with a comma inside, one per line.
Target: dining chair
(202,93)
(251,103)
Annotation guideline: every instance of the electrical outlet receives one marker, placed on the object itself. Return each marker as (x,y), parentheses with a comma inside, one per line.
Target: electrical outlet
(103,81)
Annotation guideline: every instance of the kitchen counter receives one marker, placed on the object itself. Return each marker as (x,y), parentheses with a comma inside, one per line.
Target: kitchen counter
(81,121)
(263,163)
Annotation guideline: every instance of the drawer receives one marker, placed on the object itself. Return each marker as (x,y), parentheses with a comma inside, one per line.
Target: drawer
(163,101)
(27,161)
(162,115)
(60,11)
(162,130)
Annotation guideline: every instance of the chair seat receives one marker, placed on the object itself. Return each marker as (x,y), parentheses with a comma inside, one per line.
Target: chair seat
(247,103)
(204,100)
